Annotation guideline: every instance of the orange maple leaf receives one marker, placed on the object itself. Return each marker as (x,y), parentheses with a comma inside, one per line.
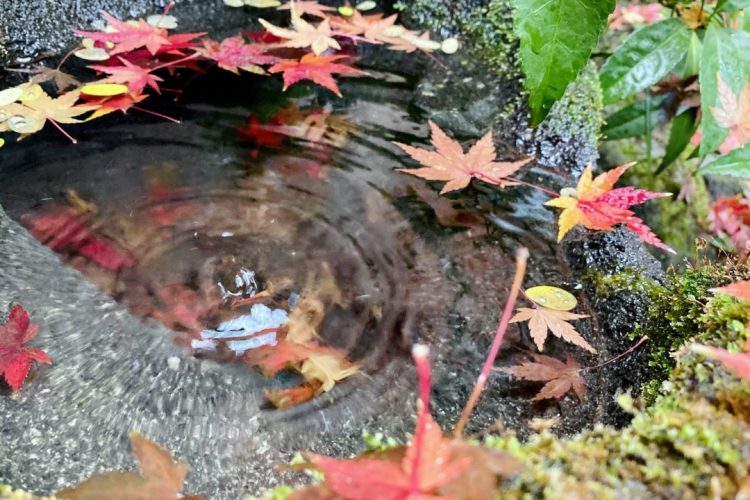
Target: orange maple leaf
(738,362)
(733,113)
(449,162)
(596,205)
(542,319)
(319,38)
(309,7)
(559,377)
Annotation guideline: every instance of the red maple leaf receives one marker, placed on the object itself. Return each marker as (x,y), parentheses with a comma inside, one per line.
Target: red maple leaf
(318,69)
(426,466)
(65,230)
(730,217)
(596,205)
(15,356)
(233,54)
(739,362)
(117,103)
(132,75)
(739,290)
(127,36)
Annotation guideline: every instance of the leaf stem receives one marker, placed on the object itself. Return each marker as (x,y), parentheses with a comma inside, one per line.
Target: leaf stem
(618,357)
(57,125)
(149,112)
(522,256)
(421,354)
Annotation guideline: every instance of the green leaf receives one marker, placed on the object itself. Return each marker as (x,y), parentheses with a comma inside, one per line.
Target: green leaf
(721,59)
(557,37)
(684,126)
(644,58)
(635,120)
(735,163)
(733,5)
(693,58)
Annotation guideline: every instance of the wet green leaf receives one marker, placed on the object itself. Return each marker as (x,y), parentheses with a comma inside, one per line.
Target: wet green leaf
(683,128)
(645,57)
(693,58)
(636,119)
(557,37)
(736,163)
(722,59)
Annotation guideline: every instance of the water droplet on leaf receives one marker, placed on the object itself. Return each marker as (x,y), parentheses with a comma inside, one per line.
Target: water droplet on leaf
(552,297)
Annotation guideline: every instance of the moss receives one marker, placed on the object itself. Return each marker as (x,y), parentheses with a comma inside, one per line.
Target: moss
(677,311)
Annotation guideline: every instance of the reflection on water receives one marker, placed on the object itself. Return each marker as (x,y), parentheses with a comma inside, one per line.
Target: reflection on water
(262,222)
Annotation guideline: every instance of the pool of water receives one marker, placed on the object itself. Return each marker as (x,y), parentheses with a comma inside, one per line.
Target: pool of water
(260,197)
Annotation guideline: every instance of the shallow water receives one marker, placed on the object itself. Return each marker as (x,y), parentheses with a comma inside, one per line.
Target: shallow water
(300,189)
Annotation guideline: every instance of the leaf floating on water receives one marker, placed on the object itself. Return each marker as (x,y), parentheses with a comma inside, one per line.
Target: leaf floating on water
(309,7)
(62,80)
(92,54)
(15,356)
(450,46)
(10,95)
(449,163)
(2,142)
(559,377)
(552,297)
(366,5)
(234,3)
(346,11)
(319,69)
(319,38)
(262,4)
(104,89)
(162,21)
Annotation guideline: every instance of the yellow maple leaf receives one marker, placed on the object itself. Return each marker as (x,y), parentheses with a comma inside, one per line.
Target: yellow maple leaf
(327,368)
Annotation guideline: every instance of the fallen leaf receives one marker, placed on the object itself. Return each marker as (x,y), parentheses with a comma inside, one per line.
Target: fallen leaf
(693,15)
(479,481)
(327,369)
(552,297)
(449,162)
(739,290)
(128,36)
(559,377)
(739,362)
(31,115)
(542,319)
(309,7)
(118,103)
(319,69)
(134,76)
(15,355)
(233,54)
(318,38)
(596,205)
(160,477)
(292,396)
(62,80)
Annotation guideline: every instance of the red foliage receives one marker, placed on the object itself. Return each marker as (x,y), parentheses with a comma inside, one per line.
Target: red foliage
(233,54)
(65,230)
(128,37)
(319,69)
(134,76)
(730,217)
(15,356)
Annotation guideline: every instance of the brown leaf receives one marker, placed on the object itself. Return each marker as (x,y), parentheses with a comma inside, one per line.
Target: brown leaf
(479,479)
(164,476)
(560,377)
(449,162)
(109,485)
(160,478)
(542,319)
(739,290)
(292,396)
(62,80)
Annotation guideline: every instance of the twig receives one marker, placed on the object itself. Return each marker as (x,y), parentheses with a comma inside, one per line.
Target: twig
(522,256)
